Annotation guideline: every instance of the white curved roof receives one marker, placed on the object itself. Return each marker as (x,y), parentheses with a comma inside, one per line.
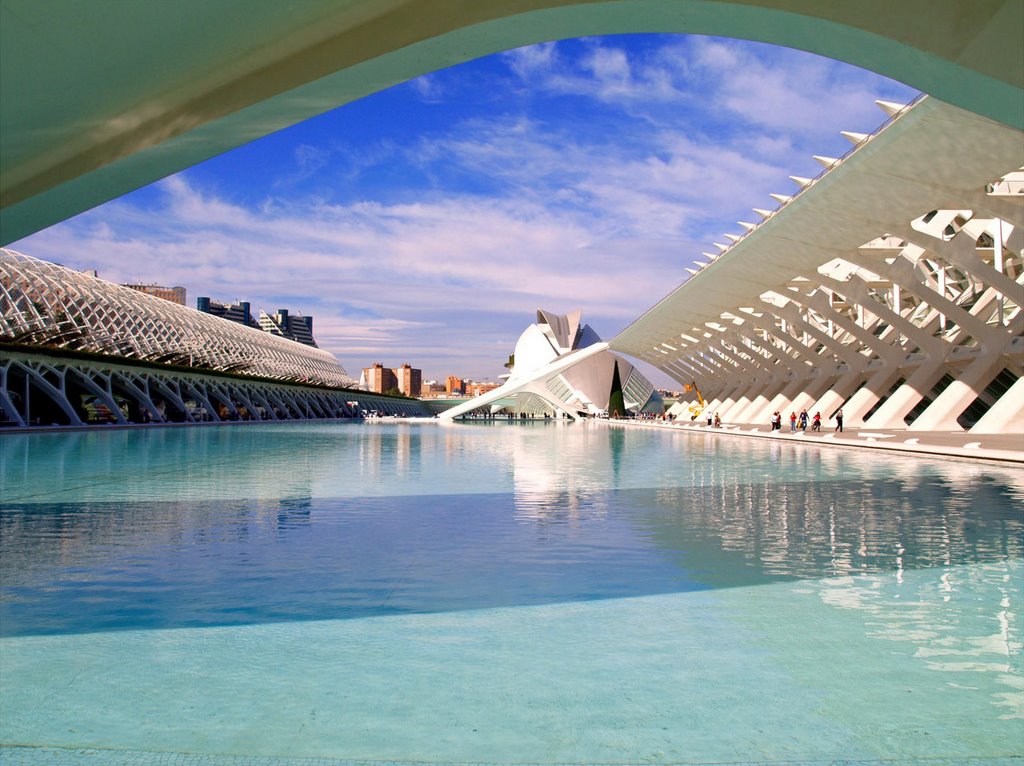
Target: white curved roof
(44,304)
(890,287)
(933,156)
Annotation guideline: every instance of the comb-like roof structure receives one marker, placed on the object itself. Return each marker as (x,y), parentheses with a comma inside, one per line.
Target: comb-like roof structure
(890,285)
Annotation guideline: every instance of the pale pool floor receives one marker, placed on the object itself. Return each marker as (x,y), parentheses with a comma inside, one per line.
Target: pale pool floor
(762,674)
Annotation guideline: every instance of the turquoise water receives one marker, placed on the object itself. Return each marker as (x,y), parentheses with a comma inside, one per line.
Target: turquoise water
(509,593)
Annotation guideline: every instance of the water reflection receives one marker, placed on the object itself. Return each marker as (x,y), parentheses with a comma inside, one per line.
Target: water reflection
(553,479)
(960,621)
(232,525)
(832,528)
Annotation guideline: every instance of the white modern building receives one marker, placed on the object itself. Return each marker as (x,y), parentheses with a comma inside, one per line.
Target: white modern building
(44,304)
(889,286)
(561,367)
(76,350)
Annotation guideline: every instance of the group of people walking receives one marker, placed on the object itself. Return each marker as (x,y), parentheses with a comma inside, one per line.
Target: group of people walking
(801,421)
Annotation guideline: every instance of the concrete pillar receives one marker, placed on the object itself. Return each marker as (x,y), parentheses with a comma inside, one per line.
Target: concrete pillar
(737,406)
(942,413)
(756,398)
(754,412)
(813,389)
(784,399)
(907,396)
(1006,415)
(727,398)
(840,391)
(866,398)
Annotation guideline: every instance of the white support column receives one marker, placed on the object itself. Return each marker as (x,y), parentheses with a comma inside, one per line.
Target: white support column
(734,412)
(6,403)
(942,292)
(750,414)
(906,397)
(942,413)
(59,395)
(997,251)
(1006,415)
(869,394)
(830,400)
(813,389)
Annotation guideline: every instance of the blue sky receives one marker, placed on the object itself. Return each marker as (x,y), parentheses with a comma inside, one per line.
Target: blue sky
(427,223)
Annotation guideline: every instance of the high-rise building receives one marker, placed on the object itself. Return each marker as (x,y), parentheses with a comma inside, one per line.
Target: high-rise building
(239,311)
(172,294)
(298,328)
(454,385)
(379,378)
(409,380)
(283,324)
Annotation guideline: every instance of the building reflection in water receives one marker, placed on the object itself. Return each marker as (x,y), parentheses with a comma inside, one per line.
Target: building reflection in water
(552,485)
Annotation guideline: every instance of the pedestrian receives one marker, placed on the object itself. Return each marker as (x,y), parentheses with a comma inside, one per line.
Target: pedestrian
(792,422)
(709,420)
(718,421)
(776,421)
(817,422)
(803,420)
(839,420)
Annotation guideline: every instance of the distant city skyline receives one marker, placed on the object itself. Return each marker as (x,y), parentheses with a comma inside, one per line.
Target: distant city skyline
(428,222)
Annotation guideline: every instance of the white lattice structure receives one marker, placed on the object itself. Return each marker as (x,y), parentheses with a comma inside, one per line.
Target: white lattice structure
(891,285)
(41,387)
(43,304)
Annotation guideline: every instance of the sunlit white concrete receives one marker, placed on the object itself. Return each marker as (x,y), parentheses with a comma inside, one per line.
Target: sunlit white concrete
(561,367)
(890,286)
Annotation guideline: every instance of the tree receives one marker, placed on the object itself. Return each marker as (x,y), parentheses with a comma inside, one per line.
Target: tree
(616,401)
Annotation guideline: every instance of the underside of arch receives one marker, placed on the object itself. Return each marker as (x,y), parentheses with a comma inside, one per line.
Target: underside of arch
(103,98)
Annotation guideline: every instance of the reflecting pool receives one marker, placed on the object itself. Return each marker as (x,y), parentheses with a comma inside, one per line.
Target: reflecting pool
(509,593)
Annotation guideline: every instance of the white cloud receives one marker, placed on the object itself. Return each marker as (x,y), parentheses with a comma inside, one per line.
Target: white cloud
(367,272)
(786,90)
(532,59)
(606,73)
(524,209)
(428,87)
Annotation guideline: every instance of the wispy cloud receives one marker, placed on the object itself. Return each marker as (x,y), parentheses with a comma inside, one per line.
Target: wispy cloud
(429,88)
(607,168)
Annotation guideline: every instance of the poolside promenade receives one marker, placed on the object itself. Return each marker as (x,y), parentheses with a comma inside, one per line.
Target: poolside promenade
(1002,448)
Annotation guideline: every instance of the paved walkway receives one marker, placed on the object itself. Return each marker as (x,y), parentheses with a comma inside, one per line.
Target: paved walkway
(1003,448)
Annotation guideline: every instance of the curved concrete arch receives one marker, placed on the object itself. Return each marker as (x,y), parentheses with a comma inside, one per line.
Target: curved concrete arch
(102,100)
